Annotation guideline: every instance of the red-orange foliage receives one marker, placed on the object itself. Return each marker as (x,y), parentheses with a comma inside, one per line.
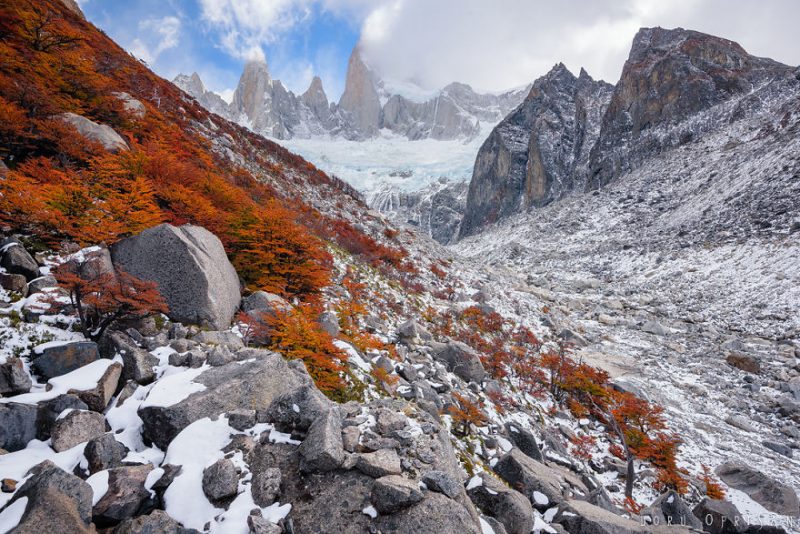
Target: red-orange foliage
(297,335)
(465,414)
(583,445)
(714,489)
(102,298)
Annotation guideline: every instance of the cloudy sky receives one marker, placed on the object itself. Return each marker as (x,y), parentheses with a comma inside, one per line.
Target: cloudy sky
(490,44)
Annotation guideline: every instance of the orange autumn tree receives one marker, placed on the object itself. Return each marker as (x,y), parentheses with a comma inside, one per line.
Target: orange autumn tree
(465,414)
(102,298)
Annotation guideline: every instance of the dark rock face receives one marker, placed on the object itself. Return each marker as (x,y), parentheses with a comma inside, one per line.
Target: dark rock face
(64,358)
(771,494)
(461,360)
(538,153)
(220,480)
(16,260)
(229,387)
(719,517)
(76,427)
(393,493)
(126,495)
(322,450)
(671,75)
(530,477)
(104,452)
(17,425)
(191,269)
(670,509)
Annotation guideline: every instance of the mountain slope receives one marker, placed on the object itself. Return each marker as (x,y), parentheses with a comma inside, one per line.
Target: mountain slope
(676,86)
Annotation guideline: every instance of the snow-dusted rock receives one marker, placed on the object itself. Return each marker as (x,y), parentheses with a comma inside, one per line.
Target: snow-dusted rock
(104,452)
(503,503)
(50,410)
(524,440)
(670,509)
(14,282)
(443,483)
(137,363)
(266,486)
(75,427)
(16,260)
(126,495)
(98,397)
(296,409)
(580,516)
(255,383)
(56,500)
(57,358)
(191,269)
(99,133)
(773,495)
(530,476)
(719,517)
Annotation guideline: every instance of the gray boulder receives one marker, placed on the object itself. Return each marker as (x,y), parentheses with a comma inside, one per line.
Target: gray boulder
(435,514)
(329,323)
(191,269)
(51,409)
(393,493)
(131,105)
(261,301)
(99,133)
(220,480)
(76,427)
(670,509)
(157,522)
(266,486)
(657,329)
(719,517)
(322,450)
(241,419)
(260,525)
(411,331)
(769,493)
(14,282)
(62,358)
(126,495)
(98,397)
(17,425)
(104,452)
(524,440)
(580,516)
(780,448)
(443,483)
(535,480)
(461,360)
(254,384)
(380,463)
(137,363)
(505,504)
(14,380)
(57,502)
(296,409)
(16,260)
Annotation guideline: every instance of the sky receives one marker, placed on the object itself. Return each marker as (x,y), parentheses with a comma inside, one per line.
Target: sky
(492,45)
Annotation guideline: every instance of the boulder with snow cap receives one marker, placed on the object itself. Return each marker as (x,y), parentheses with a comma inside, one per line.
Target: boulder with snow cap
(104,452)
(538,482)
(59,358)
(16,260)
(56,501)
(137,363)
(524,440)
(460,359)
(505,504)
(76,427)
(191,269)
(98,397)
(253,384)
(49,411)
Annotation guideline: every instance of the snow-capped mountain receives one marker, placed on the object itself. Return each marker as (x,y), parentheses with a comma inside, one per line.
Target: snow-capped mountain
(368,105)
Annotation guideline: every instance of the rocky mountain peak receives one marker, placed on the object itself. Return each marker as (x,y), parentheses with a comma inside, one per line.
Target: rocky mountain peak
(360,100)
(671,75)
(73,6)
(253,89)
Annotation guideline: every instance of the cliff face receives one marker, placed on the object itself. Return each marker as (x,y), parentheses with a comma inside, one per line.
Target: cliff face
(574,134)
(670,77)
(360,103)
(539,152)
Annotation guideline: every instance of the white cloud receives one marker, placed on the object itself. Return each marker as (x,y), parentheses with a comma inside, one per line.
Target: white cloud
(490,45)
(155,37)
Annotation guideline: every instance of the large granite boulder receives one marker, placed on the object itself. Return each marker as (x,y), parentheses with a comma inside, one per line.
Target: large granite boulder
(99,133)
(538,482)
(126,495)
(13,378)
(503,503)
(460,359)
(17,425)
(191,269)
(252,384)
(56,358)
(16,260)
